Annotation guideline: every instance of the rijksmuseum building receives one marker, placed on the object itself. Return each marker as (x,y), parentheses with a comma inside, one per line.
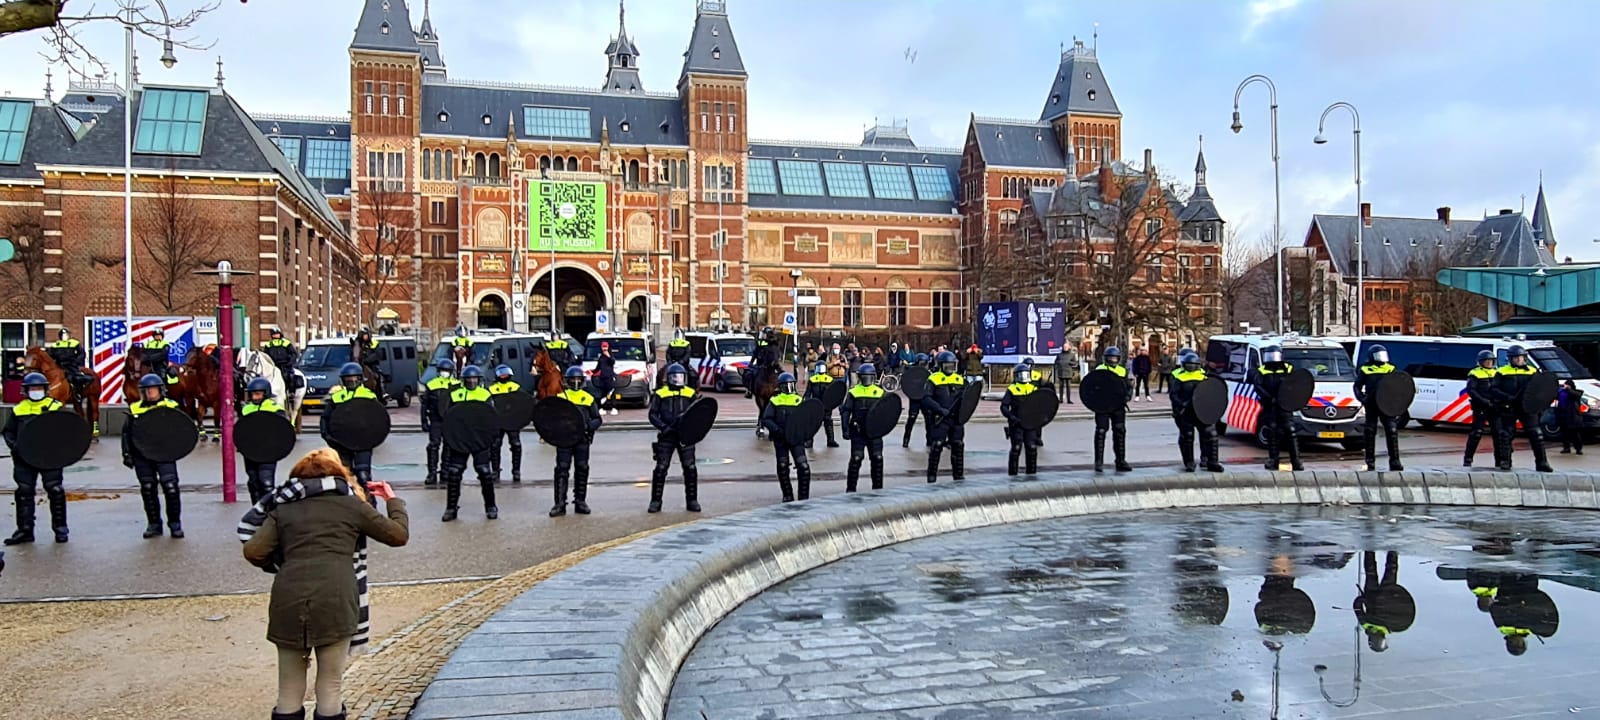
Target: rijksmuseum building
(704,227)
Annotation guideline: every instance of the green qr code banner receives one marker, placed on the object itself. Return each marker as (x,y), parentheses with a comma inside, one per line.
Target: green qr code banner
(566,216)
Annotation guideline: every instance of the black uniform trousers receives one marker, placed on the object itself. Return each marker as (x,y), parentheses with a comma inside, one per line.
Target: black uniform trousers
(1391,433)
(1280,432)
(455,465)
(947,433)
(1508,418)
(157,482)
(663,448)
(1208,441)
(912,411)
(1023,443)
(573,459)
(515,440)
(1484,422)
(802,467)
(28,479)
(435,442)
(260,479)
(1117,424)
(863,447)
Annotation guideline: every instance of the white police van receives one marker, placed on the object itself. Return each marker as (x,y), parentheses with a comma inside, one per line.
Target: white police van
(1332,415)
(719,359)
(1439,367)
(634,353)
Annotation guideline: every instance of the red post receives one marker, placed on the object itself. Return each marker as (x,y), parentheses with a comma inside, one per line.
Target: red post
(230,490)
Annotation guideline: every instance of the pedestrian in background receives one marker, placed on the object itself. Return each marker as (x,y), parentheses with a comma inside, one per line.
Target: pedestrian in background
(1169,364)
(1066,373)
(1141,375)
(1571,419)
(311,527)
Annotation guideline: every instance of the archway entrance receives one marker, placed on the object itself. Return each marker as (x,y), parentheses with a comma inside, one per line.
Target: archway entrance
(638,309)
(578,296)
(492,312)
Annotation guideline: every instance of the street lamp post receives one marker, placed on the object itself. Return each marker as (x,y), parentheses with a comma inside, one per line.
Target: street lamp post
(167,60)
(794,274)
(1277,195)
(225,332)
(1361,258)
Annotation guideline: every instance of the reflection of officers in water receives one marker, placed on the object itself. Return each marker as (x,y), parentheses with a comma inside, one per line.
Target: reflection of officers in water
(1201,596)
(1516,604)
(1384,606)
(1282,608)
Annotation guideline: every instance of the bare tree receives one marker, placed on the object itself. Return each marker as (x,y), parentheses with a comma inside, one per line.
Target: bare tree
(176,242)
(390,243)
(438,294)
(22,279)
(60,27)
(1448,309)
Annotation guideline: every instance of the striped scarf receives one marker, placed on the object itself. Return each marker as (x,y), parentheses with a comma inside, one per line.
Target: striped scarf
(298,489)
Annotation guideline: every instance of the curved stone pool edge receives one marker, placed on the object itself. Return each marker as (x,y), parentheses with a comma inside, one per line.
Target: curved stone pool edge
(605,638)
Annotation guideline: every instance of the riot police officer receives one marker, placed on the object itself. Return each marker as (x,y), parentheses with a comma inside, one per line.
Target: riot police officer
(349,388)
(678,352)
(775,417)
(1480,393)
(157,481)
(260,478)
(1369,374)
(455,462)
(666,408)
(1115,421)
(858,404)
(1022,440)
(503,383)
(36,401)
(1267,380)
(366,347)
(283,355)
(1180,391)
(157,352)
(576,458)
(1510,381)
(438,387)
(68,354)
(816,385)
(560,353)
(915,409)
(942,402)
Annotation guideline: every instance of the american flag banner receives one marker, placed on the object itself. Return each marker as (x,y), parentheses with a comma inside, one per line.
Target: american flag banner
(1244,408)
(109,339)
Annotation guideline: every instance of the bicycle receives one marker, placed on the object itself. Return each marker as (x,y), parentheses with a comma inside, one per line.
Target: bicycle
(890,381)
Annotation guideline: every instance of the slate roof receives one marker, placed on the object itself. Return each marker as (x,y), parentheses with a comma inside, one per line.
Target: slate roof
(650,119)
(1541,219)
(305,128)
(1079,87)
(1017,143)
(888,136)
(1200,208)
(712,50)
(371,33)
(948,159)
(1464,243)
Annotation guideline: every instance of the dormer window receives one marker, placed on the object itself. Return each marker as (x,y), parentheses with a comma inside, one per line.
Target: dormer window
(384,28)
(1091,94)
(625,126)
(715,31)
(1055,98)
(716,53)
(1088,75)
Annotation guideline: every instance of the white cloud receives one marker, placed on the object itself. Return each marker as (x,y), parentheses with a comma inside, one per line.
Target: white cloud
(1262,12)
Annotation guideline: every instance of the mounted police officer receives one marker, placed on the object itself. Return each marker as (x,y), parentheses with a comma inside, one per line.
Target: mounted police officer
(666,408)
(455,462)
(858,404)
(1485,410)
(816,385)
(433,413)
(1115,421)
(767,355)
(365,346)
(68,354)
(1023,441)
(1180,391)
(560,353)
(1376,367)
(284,356)
(1280,430)
(260,478)
(349,388)
(36,401)
(503,384)
(1510,381)
(775,417)
(157,480)
(678,352)
(576,458)
(157,352)
(941,403)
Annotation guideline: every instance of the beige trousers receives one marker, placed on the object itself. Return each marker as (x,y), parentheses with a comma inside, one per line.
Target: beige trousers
(293,664)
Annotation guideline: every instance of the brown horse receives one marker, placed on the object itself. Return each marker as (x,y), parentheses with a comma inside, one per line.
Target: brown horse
(199,389)
(369,377)
(763,385)
(549,375)
(86,405)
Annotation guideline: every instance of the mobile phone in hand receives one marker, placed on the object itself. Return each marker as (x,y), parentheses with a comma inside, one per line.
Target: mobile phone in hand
(380,489)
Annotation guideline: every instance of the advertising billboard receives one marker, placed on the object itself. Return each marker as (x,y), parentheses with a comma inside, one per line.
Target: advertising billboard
(566,216)
(109,338)
(1021,328)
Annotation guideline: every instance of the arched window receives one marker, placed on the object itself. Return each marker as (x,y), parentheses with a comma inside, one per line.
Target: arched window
(494,165)
(449,164)
(544,163)
(479,165)
(572,163)
(560,164)
(427,164)
(632,177)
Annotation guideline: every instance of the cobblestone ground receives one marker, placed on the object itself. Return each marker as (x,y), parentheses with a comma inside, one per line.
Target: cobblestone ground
(1172,615)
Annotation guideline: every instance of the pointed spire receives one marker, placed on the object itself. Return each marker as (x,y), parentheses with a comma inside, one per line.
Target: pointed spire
(49,92)
(622,66)
(219,72)
(712,50)
(133,70)
(384,25)
(1542,231)
(427,20)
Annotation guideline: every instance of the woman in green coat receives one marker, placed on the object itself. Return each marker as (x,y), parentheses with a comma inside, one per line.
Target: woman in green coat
(309,536)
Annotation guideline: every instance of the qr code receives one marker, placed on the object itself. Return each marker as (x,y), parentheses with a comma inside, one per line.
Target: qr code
(567,212)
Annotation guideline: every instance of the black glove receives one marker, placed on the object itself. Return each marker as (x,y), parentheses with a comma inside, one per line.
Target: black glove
(127,461)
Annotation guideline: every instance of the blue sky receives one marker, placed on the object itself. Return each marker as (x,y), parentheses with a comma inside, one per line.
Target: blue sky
(1463,102)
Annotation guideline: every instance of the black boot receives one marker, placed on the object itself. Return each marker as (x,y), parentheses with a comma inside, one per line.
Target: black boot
(852,474)
(516,465)
(1541,461)
(494,465)
(804,473)
(580,490)
(25,518)
(658,483)
(934,451)
(958,461)
(1212,460)
(169,492)
(58,513)
(452,498)
(1369,452)
(1013,459)
(1031,456)
(691,490)
(1099,450)
(433,467)
(877,472)
(491,510)
(560,507)
(1294,453)
(299,714)
(341,716)
(1187,451)
(1119,443)
(784,486)
(150,494)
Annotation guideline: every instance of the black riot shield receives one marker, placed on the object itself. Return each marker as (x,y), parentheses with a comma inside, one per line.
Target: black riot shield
(1296,390)
(515,409)
(833,395)
(914,382)
(1540,391)
(970,397)
(1104,391)
(264,437)
(54,440)
(359,424)
(471,427)
(1393,394)
(559,422)
(804,422)
(1210,401)
(883,417)
(164,435)
(1036,409)
(697,420)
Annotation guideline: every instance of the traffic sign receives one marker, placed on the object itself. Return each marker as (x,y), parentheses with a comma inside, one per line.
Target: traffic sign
(602,320)
(810,300)
(788,322)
